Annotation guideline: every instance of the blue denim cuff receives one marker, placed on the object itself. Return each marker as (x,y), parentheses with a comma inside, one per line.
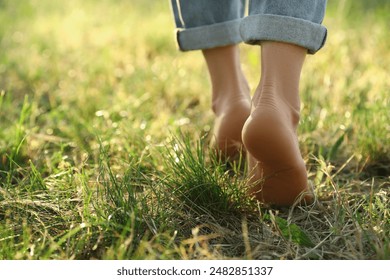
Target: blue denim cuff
(266,27)
(209,36)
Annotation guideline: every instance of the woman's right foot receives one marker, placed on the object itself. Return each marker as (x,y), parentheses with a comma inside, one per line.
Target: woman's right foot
(277,170)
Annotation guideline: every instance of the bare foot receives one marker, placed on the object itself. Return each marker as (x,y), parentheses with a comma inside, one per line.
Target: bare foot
(277,170)
(230,119)
(230,99)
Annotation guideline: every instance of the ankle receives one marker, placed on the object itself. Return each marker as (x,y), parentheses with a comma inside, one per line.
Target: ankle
(227,78)
(229,93)
(285,102)
(223,101)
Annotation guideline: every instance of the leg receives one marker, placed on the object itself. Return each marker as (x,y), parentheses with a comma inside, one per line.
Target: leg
(269,134)
(213,27)
(230,98)
(286,30)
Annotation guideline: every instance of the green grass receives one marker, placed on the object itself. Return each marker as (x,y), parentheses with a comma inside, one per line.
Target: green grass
(104,140)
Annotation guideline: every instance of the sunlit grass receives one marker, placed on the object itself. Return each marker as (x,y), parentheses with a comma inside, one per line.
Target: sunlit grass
(104,140)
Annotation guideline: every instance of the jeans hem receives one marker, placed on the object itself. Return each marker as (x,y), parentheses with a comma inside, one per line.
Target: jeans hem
(266,27)
(209,36)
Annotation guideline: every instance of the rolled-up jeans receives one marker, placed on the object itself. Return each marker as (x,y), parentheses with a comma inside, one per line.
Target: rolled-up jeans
(205,24)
